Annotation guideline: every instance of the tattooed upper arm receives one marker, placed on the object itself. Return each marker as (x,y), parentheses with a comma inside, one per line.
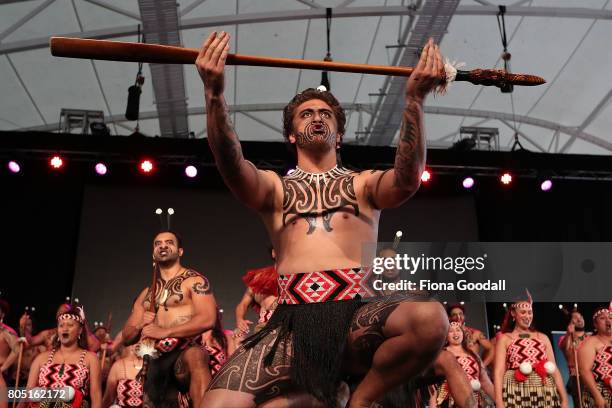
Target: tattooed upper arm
(201,286)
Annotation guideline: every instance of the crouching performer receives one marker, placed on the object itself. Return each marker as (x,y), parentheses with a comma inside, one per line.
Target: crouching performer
(318,217)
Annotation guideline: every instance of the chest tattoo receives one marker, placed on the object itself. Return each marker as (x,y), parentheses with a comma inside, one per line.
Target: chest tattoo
(166,290)
(312,195)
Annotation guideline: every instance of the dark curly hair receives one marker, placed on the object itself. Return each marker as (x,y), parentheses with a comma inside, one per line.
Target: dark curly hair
(307,95)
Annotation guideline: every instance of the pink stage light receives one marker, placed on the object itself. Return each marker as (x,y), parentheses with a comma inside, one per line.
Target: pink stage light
(191,171)
(101,169)
(14,167)
(468,182)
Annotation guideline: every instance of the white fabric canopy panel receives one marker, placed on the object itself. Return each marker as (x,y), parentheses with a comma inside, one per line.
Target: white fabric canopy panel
(570,52)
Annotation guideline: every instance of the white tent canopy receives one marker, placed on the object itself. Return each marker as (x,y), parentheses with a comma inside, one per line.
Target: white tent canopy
(566,42)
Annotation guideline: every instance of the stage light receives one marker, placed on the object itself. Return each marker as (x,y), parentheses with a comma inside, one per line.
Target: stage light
(146,166)
(101,169)
(191,171)
(14,167)
(506,178)
(56,162)
(468,182)
(546,185)
(426,176)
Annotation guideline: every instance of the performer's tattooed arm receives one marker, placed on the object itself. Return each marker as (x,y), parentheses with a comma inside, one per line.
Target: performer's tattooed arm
(392,188)
(251,186)
(204,309)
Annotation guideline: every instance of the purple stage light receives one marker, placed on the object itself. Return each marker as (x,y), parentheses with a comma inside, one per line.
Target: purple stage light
(468,182)
(546,185)
(14,167)
(101,169)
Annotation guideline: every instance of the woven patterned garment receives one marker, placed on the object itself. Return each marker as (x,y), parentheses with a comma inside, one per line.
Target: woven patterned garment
(602,370)
(602,366)
(528,349)
(589,402)
(530,393)
(217,358)
(129,393)
(324,286)
(471,367)
(55,375)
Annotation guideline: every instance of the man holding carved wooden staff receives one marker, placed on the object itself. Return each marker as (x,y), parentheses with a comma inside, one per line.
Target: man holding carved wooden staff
(168,319)
(318,217)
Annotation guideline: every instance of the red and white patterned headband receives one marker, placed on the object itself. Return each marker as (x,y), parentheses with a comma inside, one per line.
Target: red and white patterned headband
(69,316)
(522,306)
(455,324)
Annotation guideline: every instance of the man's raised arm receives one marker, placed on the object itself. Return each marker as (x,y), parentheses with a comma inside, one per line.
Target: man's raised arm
(391,188)
(251,186)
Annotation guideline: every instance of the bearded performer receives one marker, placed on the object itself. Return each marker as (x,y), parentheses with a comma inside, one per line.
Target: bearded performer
(525,373)
(170,318)
(595,362)
(472,366)
(318,217)
(261,295)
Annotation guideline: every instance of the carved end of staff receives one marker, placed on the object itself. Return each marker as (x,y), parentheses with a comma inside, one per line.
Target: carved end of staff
(498,77)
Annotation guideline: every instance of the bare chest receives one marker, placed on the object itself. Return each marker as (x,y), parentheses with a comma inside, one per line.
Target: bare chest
(316,198)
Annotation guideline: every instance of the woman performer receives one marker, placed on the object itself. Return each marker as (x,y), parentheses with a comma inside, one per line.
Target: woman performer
(122,385)
(471,364)
(47,337)
(525,373)
(219,344)
(69,364)
(595,362)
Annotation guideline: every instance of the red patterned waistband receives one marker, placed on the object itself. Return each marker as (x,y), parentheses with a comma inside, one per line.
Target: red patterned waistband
(324,286)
